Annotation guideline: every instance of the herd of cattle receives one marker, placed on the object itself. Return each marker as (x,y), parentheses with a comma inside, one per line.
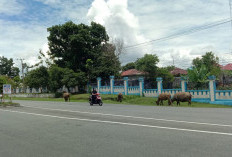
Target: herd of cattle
(178,97)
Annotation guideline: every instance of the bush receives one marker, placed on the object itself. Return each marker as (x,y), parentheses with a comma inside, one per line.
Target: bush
(58,95)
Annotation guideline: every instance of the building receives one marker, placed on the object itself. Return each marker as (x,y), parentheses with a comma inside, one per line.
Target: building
(178,72)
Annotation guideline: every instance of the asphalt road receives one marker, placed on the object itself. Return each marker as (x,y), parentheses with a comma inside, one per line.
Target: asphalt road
(47,129)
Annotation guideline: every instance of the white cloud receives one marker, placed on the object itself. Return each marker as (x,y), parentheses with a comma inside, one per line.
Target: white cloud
(19,40)
(134,21)
(119,23)
(10,7)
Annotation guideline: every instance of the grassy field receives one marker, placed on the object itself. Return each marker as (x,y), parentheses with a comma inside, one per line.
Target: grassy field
(128,100)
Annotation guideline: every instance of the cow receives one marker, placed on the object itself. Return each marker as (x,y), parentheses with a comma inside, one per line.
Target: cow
(66,96)
(120,97)
(164,96)
(182,97)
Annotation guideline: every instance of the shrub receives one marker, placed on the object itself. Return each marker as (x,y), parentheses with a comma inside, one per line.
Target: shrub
(58,95)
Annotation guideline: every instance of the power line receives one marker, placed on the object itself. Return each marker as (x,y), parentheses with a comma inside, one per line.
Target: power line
(204,27)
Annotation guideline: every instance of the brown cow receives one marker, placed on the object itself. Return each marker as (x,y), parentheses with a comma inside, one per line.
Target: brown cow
(66,96)
(164,96)
(120,97)
(182,97)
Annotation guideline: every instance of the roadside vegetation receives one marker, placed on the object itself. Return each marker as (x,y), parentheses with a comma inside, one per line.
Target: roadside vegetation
(127,100)
(5,104)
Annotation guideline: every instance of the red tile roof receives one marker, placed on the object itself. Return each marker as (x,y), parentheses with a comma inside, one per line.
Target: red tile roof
(227,67)
(132,72)
(177,71)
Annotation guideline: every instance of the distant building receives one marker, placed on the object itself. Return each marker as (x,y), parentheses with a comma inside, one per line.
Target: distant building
(179,72)
(227,67)
(133,74)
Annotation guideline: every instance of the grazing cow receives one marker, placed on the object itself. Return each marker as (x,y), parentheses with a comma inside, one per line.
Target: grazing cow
(66,96)
(164,96)
(120,97)
(182,97)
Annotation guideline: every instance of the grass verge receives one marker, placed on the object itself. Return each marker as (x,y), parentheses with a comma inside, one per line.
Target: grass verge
(4,104)
(128,100)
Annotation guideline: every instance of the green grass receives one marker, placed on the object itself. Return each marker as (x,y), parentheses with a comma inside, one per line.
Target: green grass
(4,104)
(128,100)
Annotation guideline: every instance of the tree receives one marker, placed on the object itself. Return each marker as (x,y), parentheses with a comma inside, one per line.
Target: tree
(44,58)
(148,63)
(168,78)
(69,78)
(119,46)
(55,78)
(108,63)
(7,68)
(37,78)
(128,66)
(198,76)
(210,61)
(71,45)
(6,80)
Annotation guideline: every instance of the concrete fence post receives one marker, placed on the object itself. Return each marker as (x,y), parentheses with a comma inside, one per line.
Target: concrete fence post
(112,84)
(98,84)
(141,86)
(159,85)
(212,87)
(125,85)
(183,84)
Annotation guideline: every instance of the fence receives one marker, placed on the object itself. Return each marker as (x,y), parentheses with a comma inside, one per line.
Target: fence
(208,92)
(44,90)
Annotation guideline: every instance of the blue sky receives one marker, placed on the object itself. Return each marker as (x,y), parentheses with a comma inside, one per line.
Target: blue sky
(24,23)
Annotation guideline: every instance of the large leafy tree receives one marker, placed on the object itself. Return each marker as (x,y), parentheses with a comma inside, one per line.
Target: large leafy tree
(148,63)
(7,67)
(128,66)
(37,78)
(210,61)
(59,77)
(72,45)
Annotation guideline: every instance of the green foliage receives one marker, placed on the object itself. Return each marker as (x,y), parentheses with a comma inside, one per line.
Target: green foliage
(37,78)
(199,76)
(69,78)
(170,67)
(17,81)
(6,80)
(55,77)
(73,44)
(83,49)
(128,66)
(148,63)
(210,61)
(107,64)
(58,95)
(166,75)
(7,68)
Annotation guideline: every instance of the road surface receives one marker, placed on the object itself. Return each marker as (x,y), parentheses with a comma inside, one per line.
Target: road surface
(47,129)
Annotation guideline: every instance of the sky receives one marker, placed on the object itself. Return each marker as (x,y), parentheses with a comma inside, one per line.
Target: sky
(24,23)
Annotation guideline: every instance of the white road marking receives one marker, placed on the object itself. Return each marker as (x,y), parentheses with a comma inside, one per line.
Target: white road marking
(124,116)
(121,123)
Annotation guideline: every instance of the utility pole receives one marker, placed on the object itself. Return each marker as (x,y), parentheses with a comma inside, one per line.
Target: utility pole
(22,64)
(173,61)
